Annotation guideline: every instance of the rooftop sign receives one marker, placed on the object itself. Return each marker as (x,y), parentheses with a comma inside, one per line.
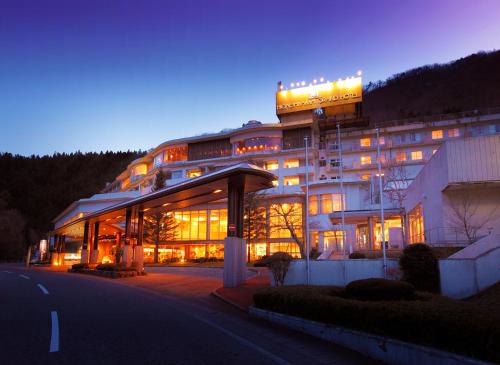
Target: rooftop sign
(322,94)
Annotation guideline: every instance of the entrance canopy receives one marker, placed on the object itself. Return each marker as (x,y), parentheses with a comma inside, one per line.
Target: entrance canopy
(203,189)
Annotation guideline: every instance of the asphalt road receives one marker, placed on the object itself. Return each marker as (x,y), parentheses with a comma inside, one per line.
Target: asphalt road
(88,320)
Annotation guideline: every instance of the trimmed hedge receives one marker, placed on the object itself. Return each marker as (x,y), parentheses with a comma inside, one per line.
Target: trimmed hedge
(430,320)
(115,267)
(80,266)
(357,255)
(420,267)
(380,289)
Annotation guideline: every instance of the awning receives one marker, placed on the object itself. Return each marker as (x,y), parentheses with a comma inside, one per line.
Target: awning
(198,190)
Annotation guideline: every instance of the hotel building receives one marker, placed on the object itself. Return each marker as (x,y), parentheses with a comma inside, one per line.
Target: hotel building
(318,112)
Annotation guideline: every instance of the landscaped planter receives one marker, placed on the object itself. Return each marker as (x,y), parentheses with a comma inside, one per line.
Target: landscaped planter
(107,274)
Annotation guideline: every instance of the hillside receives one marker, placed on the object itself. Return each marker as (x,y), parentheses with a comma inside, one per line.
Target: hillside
(466,84)
(33,190)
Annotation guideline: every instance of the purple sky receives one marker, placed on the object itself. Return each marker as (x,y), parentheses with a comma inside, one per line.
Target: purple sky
(117,75)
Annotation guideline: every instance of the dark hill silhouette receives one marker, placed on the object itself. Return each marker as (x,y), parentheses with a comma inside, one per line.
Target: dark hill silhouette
(469,83)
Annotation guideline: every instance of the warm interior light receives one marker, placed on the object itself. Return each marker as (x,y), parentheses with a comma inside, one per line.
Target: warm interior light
(166,204)
(217,191)
(145,210)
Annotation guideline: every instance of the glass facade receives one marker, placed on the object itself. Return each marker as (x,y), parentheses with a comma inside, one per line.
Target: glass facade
(258,144)
(175,154)
(192,225)
(295,138)
(218,224)
(209,149)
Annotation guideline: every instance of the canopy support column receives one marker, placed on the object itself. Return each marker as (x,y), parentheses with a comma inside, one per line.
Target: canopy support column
(139,250)
(127,248)
(85,252)
(94,254)
(234,244)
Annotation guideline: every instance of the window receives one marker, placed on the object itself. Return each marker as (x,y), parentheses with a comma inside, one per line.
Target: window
(271,165)
(209,149)
(416,155)
(192,225)
(366,160)
(337,202)
(366,176)
(382,158)
(453,133)
(194,173)
(291,180)
(333,240)
(258,144)
(401,156)
(365,142)
(277,223)
(382,140)
(313,204)
(326,203)
(158,160)
(437,134)
(335,162)
(177,174)
(322,163)
(294,138)
(218,224)
(415,137)
(416,225)
(291,163)
(175,154)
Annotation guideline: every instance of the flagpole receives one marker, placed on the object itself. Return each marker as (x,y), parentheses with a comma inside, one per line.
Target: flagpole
(381,203)
(308,250)
(341,172)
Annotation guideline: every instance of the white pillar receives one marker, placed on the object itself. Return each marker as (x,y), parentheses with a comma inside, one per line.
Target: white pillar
(234,262)
(85,256)
(127,255)
(139,257)
(94,255)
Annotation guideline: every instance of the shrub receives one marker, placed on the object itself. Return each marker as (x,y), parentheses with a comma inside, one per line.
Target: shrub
(116,267)
(261,262)
(314,254)
(80,266)
(357,255)
(380,289)
(431,320)
(278,263)
(420,267)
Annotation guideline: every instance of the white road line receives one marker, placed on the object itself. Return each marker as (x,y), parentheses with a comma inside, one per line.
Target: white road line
(24,276)
(7,272)
(54,335)
(43,289)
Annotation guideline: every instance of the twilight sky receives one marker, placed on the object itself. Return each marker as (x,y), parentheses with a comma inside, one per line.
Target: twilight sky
(97,75)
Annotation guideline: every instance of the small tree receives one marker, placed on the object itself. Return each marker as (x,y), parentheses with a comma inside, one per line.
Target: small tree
(278,263)
(254,224)
(420,267)
(464,216)
(396,181)
(160,181)
(160,227)
(290,218)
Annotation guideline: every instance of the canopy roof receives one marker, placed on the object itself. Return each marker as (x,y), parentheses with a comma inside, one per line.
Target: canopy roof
(199,190)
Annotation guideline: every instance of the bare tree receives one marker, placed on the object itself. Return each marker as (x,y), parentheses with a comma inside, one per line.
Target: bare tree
(254,224)
(395,185)
(290,218)
(464,216)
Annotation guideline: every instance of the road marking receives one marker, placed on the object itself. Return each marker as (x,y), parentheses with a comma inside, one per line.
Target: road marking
(7,272)
(54,335)
(24,276)
(43,289)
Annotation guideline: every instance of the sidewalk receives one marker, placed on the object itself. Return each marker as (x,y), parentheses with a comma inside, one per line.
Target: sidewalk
(242,296)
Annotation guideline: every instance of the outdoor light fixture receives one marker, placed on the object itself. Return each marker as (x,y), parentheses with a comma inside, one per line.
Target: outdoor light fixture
(292,84)
(217,191)
(359,73)
(145,210)
(165,204)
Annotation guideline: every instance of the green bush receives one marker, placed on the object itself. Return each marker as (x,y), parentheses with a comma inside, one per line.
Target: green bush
(431,320)
(379,289)
(420,267)
(357,255)
(80,266)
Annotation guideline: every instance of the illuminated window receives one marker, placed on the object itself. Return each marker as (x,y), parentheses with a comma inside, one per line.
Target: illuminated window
(283,215)
(401,156)
(382,140)
(158,160)
(416,155)
(337,202)
(291,180)
(194,173)
(291,163)
(382,158)
(326,203)
(258,144)
(290,247)
(140,170)
(416,225)
(271,165)
(333,240)
(438,134)
(366,160)
(366,176)
(275,183)
(313,204)
(175,154)
(365,142)
(452,133)
(218,224)
(192,225)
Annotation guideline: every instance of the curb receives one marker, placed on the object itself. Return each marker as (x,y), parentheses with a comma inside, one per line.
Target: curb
(228,301)
(388,350)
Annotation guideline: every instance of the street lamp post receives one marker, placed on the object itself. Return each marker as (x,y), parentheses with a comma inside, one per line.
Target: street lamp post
(306,139)
(341,173)
(381,203)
